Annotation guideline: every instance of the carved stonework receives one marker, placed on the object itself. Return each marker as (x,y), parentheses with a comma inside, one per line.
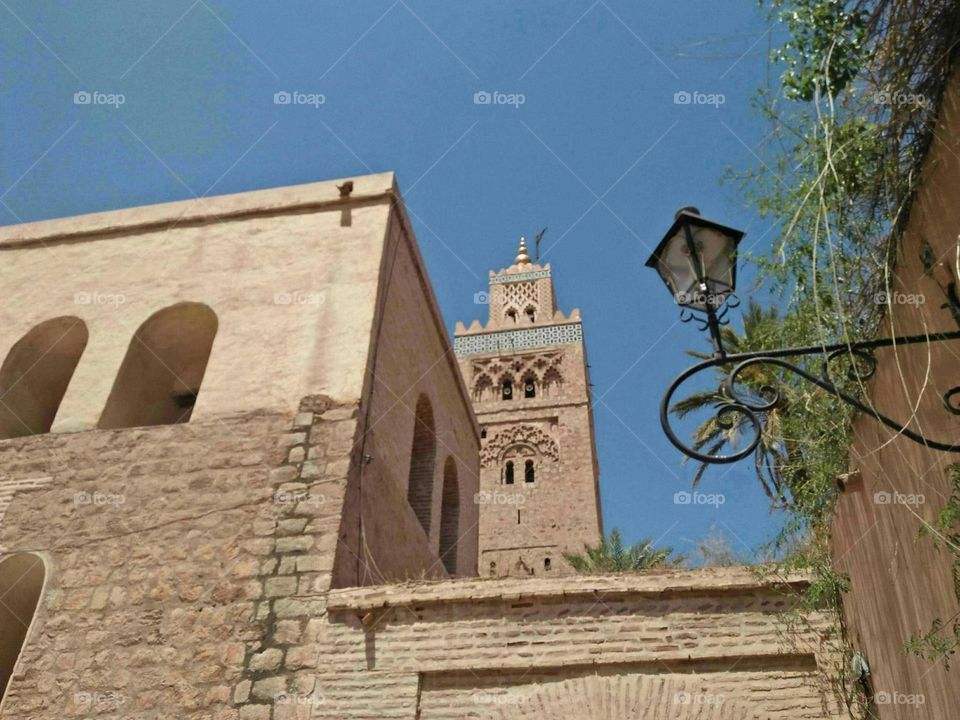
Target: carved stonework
(519,435)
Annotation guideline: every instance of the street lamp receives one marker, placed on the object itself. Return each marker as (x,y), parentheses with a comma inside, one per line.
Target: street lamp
(697,260)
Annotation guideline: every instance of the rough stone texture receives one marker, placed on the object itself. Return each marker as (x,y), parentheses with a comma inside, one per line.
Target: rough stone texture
(476,648)
(525,527)
(900,583)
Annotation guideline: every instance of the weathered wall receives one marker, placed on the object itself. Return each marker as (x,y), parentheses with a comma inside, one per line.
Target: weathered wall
(899,583)
(410,356)
(463,649)
(291,273)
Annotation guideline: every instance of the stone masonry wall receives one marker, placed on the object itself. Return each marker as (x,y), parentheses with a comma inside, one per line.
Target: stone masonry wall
(182,562)
(471,649)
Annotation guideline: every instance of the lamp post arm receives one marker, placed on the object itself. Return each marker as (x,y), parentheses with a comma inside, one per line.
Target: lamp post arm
(751,409)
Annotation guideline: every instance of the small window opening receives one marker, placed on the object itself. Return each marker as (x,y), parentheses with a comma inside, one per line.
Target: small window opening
(528,471)
(512,315)
(546,563)
(531,314)
(529,389)
(508,474)
(507,391)
(518,517)
(483,433)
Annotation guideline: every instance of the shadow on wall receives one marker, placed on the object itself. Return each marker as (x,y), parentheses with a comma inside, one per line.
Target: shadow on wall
(35,375)
(161,373)
(21,582)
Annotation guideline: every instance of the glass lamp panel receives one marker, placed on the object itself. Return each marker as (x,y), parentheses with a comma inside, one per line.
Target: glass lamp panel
(677,269)
(718,253)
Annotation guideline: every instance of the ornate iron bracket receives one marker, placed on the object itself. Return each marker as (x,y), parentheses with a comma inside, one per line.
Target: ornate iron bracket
(863,365)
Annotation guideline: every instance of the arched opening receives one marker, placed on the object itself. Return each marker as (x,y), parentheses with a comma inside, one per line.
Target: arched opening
(529,387)
(511,316)
(508,473)
(423,450)
(35,375)
(531,313)
(450,516)
(552,382)
(506,389)
(161,373)
(21,582)
(546,563)
(483,388)
(528,471)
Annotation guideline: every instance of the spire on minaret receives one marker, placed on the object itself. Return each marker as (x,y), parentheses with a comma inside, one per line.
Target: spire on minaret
(522,257)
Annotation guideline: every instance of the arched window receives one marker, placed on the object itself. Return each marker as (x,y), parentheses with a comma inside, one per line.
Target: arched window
(508,473)
(450,517)
(528,471)
(530,387)
(552,382)
(506,389)
(531,313)
(423,450)
(161,373)
(511,316)
(35,375)
(21,582)
(546,563)
(483,388)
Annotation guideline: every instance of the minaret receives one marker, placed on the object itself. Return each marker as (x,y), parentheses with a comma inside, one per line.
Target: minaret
(527,372)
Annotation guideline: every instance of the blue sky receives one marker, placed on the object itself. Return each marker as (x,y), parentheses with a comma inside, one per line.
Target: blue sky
(599,151)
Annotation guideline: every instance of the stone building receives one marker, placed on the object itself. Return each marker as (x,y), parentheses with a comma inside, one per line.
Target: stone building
(526,370)
(238,471)
(901,581)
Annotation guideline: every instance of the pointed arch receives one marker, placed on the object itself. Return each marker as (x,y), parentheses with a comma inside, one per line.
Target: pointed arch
(160,376)
(423,451)
(483,388)
(450,516)
(35,375)
(21,585)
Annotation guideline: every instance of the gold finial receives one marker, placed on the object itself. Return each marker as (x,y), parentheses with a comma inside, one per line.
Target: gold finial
(522,256)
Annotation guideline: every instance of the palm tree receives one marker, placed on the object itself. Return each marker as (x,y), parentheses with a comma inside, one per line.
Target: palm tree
(773,453)
(612,556)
